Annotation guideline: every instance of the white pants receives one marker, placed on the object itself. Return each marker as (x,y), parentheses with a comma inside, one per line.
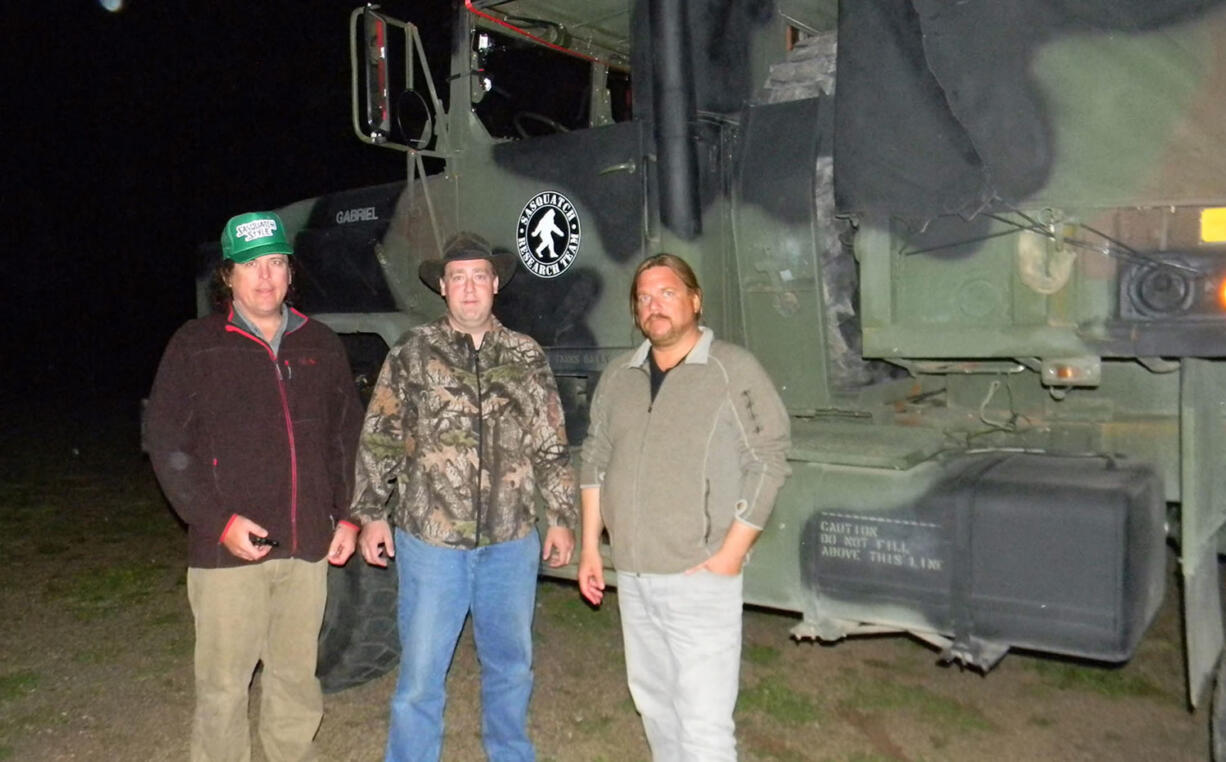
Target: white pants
(683,658)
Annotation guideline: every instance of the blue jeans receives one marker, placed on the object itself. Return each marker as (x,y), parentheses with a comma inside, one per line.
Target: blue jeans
(438,588)
(683,658)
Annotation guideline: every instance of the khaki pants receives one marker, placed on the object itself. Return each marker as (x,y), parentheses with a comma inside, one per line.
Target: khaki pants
(269,612)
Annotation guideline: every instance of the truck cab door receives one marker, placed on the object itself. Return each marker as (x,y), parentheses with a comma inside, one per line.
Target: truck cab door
(570,206)
(549,165)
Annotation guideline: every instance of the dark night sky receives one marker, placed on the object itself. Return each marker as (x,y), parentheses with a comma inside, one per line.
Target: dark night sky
(130,137)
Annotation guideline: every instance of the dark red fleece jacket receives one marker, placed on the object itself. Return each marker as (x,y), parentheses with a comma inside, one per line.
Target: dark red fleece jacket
(231,429)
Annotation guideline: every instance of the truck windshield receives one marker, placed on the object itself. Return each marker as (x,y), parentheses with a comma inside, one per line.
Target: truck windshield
(531,90)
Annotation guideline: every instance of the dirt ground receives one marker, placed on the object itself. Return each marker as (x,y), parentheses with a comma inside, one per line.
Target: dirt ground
(96,642)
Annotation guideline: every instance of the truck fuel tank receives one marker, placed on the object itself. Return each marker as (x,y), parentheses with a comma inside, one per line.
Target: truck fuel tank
(1056,553)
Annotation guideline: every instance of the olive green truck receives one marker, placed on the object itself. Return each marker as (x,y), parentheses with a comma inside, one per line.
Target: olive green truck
(979,247)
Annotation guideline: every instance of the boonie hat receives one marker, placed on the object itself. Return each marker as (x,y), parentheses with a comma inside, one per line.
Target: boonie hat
(464,246)
(254,234)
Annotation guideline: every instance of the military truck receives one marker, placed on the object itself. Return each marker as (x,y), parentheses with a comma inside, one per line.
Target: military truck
(980,248)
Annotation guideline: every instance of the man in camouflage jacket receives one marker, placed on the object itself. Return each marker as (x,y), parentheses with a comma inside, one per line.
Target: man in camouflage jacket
(464,427)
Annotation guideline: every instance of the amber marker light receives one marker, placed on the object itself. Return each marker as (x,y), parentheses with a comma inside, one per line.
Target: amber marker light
(1213,224)
(1213,230)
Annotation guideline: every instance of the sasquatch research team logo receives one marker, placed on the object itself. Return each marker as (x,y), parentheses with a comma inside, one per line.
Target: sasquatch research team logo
(547,236)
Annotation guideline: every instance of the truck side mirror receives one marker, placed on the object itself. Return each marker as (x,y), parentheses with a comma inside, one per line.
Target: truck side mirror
(394,101)
(378,95)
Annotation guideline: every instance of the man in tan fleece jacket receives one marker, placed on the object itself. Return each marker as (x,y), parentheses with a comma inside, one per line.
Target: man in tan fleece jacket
(685,452)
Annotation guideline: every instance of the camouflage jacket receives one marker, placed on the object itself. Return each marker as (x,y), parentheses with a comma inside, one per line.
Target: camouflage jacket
(464,438)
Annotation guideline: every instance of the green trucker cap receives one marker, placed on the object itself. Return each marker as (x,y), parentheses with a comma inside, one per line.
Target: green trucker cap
(254,234)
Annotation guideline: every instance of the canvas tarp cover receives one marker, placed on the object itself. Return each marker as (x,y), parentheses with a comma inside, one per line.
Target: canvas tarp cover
(945,107)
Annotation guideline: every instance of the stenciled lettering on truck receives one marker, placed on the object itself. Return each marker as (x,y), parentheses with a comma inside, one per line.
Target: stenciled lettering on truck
(356,214)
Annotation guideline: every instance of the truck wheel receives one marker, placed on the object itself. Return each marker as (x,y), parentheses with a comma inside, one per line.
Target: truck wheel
(366,354)
(359,639)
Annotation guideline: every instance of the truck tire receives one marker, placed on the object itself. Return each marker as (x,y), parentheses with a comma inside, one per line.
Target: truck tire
(366,354)
(359,640)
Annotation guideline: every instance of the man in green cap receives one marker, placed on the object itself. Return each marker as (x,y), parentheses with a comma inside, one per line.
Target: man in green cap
(252,426)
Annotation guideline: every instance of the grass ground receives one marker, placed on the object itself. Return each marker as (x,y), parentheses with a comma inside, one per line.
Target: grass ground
(96,640)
